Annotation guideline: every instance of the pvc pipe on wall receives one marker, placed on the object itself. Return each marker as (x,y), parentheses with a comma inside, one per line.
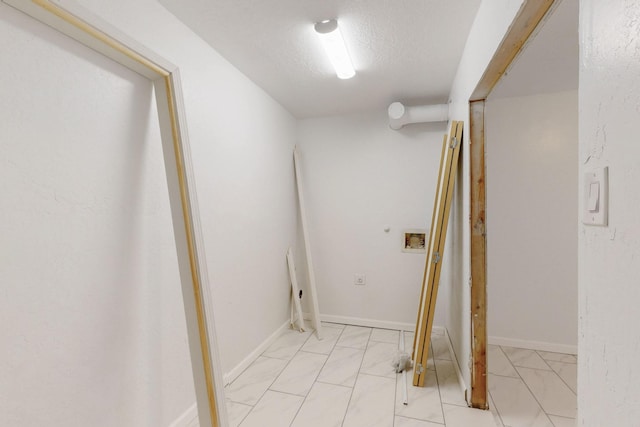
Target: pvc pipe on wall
(400,115)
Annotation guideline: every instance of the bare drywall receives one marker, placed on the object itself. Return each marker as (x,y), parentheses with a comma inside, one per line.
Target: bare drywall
(362,177)
(608,377)
(532,250)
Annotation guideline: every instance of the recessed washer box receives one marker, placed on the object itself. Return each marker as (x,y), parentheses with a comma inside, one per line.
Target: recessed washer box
(414,241)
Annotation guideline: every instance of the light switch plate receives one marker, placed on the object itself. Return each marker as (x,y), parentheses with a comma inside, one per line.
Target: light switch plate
(595,203)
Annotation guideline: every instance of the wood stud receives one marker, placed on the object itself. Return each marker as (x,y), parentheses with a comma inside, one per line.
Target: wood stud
(531,13)
(478,259)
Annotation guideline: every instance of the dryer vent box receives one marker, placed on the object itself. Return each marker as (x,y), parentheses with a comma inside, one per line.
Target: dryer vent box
(414,241)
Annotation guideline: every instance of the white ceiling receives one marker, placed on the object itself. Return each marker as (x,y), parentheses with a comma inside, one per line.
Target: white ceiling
(549,62)
(404,50)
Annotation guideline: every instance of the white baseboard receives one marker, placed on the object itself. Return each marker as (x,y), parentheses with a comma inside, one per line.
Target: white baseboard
(382,324)
(235,372)
(454,358)
(371,323)
(188,419)
(534,345)
(438,330)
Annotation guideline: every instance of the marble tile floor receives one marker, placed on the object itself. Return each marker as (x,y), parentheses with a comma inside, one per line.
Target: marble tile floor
(530,388)
(346,380)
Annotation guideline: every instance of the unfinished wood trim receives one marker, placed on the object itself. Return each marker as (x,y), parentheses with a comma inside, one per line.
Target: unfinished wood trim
(315,310)
(444,225)
(74,21)
(423,338)
(529,16)
(433,219)
(435,254)
(478,257)
(195,278)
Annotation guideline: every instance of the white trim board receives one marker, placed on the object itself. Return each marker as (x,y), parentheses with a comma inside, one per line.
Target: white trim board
(534,345)
(454,358)
(297,319)
(315,310)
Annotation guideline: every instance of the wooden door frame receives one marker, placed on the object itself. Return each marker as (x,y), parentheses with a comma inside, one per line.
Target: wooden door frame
(531,13)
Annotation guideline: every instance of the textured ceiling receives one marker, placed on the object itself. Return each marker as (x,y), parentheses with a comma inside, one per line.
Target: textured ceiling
(549,62)
(403,50)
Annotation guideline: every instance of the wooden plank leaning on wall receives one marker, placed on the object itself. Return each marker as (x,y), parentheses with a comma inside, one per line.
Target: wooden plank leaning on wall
(435,251)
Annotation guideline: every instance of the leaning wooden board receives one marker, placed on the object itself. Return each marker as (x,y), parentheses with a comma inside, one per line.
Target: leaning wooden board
(431,235)
(313,294)
(435,251)
(297,320)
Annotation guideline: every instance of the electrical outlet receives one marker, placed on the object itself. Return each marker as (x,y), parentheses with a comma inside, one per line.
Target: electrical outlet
(359,279)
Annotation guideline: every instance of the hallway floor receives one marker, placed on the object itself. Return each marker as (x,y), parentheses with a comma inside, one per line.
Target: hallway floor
(346,380)
(532,388)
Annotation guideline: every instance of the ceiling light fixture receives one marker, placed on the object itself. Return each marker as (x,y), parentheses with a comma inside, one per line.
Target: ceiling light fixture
(336,49)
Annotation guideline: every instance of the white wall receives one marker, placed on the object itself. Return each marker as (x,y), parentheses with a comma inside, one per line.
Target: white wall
(92,328)
(360,176)
(608,343)
(492,21)
(532,176)
(242,142)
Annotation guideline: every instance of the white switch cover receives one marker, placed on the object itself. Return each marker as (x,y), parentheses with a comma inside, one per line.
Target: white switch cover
(595,202)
